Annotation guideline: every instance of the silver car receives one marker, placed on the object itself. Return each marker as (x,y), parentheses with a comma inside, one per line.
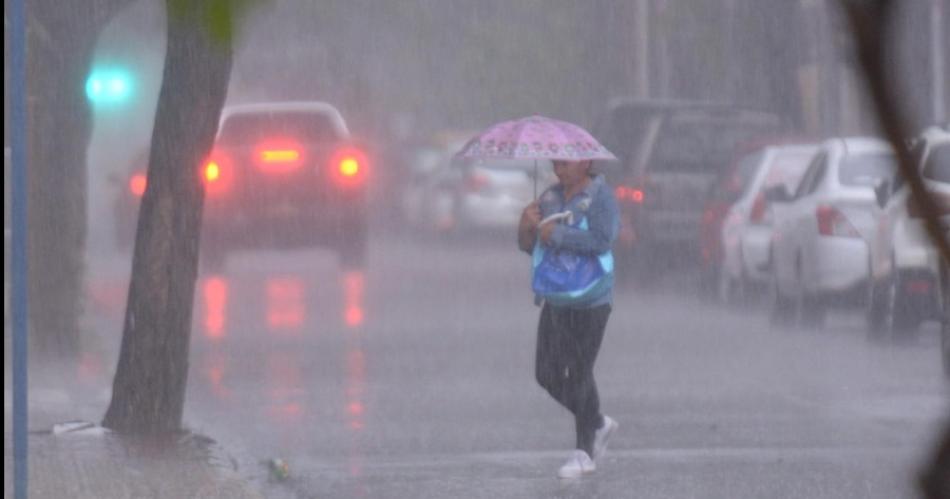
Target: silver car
(821,236)
(905,289)
(746,230)
(491,194)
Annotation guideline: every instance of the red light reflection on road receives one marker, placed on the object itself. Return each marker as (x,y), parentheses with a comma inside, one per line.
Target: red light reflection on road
(215,368)
(285,304)
(353,283)
(90,367)
(285,387)
(354,406)
(215,293)
(355,388)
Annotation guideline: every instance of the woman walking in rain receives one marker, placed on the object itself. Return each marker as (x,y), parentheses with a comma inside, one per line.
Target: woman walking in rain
(569,336)
(569,232)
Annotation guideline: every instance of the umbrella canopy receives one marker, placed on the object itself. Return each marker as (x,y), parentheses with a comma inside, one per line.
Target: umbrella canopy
(536,137)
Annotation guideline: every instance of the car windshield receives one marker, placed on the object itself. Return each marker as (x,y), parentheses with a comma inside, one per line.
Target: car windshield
(699,146)
(252,128)
(865,169)
(628,129)
(938,164)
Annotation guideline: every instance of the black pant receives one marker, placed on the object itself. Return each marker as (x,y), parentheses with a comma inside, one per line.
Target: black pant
(568,342)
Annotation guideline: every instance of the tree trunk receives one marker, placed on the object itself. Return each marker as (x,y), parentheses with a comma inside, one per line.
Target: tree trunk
(149,387)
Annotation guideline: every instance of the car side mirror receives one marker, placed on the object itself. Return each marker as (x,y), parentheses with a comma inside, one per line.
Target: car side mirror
(882,192)
(777,194)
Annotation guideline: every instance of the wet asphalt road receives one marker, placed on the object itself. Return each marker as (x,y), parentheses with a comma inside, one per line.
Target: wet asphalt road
(413,378)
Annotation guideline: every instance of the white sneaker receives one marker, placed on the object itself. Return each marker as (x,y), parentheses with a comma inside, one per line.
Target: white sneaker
(602,436)
(578,464)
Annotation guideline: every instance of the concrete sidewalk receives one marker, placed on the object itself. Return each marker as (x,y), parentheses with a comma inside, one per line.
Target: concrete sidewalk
(96,464)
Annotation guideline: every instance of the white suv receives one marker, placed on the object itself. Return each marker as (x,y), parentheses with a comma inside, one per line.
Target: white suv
(821,233)
(905,288)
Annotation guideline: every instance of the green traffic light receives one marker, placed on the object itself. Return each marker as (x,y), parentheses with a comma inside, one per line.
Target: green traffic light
(109,86)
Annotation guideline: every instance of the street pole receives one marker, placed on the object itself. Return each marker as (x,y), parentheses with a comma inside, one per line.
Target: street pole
(643,49)
(18,157)
(937,58)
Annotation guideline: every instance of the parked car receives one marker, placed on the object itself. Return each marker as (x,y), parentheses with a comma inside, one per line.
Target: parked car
(819,246)
(905,286)
(490,194)
(670,154)
(737,249)
(283,175)
(428,193)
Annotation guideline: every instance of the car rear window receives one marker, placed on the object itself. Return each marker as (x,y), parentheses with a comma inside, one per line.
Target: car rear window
(252,128)
(700,146)
(863,169)
(938,164)
(626,130)
(787,168)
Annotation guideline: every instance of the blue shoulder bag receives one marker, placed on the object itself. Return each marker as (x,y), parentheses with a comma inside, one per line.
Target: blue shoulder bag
(562,277)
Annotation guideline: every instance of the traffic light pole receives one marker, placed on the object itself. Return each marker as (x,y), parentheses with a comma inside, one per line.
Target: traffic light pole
(18,156)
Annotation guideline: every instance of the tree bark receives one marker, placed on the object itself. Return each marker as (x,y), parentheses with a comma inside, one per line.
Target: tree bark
(149,387)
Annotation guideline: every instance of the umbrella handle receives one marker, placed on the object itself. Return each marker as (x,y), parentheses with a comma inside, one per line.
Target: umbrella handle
(535,179)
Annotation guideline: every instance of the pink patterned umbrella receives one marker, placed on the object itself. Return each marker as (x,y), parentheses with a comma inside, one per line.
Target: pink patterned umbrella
(536,137)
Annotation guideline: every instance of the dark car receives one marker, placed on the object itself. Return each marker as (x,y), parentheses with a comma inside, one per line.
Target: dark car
(285,175)
(671,153)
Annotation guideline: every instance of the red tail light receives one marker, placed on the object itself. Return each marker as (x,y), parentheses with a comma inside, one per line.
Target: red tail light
(628,194)
(212,172)
(757,215)
(279,156)
(476,182)
(217,175)
(349,167)
(137,184)
(831,222)
(918,286)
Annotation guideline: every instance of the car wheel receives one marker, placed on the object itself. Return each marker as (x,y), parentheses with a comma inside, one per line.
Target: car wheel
(899,320)
(709,281)
(813,312)
(874,314)
(746,292)
(810,312)
(723,288)
(782,312)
